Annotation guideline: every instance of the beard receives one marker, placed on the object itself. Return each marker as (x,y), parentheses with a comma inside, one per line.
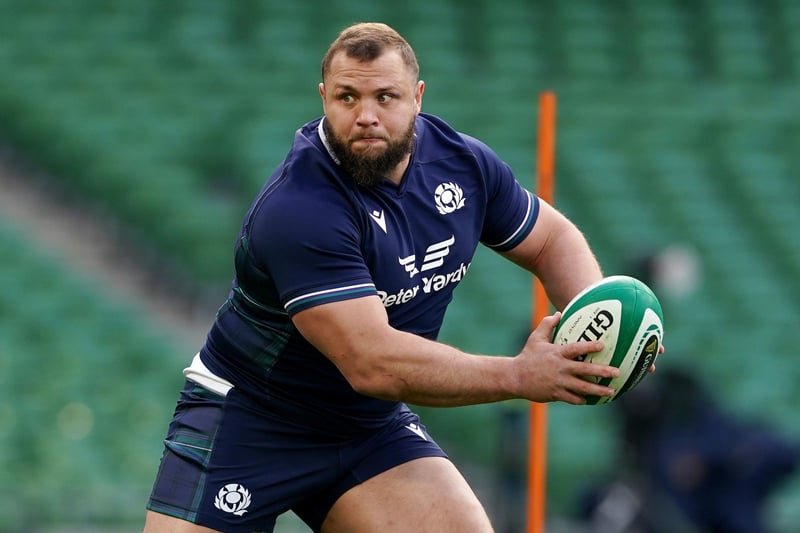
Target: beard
(369,169)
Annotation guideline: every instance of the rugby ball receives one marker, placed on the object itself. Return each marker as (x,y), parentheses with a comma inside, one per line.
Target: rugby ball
(626,316)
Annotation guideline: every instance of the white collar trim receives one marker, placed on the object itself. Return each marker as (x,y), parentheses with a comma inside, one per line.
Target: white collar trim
(324,138)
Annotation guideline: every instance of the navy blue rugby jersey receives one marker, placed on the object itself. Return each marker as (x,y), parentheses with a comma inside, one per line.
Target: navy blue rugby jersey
(313,236)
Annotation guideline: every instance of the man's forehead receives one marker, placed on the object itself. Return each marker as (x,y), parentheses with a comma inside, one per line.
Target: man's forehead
(388,66)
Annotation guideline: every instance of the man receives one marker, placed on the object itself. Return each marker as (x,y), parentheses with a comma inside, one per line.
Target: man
(345,264)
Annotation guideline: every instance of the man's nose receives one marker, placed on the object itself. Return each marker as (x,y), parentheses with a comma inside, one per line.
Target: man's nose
(367,113)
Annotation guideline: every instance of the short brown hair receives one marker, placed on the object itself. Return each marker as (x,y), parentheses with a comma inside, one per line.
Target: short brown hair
(367,41)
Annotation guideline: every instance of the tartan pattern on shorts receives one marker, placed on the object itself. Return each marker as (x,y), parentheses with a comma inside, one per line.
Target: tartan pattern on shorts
(216,442)
(180,483)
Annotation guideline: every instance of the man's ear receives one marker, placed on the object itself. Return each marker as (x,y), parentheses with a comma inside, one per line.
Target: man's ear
(322,93)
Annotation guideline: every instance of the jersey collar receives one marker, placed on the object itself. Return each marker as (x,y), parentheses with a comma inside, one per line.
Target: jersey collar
(324,138)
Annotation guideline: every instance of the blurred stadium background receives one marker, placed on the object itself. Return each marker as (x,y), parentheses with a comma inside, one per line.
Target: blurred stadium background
(134,134)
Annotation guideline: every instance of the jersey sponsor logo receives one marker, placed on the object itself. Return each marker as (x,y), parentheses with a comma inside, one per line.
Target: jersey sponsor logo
(435,254)
(378,217)
(448,197)
(434,257)
(429,283)
(409,263)
(233,498)
(437,282)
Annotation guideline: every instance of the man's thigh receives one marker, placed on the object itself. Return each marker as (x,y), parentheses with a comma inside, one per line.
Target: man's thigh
(424,495)
(161,523)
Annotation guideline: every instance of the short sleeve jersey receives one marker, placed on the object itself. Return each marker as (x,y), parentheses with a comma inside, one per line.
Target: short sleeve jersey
(312,236)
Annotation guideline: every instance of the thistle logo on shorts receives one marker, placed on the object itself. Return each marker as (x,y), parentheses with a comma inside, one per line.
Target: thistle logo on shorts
(233,498)
(448,197)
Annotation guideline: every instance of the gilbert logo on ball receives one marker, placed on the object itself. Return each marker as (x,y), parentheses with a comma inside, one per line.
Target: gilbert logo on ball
(626,316)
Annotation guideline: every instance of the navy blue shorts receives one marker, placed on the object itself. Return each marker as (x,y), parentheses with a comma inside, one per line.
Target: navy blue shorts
(227,467)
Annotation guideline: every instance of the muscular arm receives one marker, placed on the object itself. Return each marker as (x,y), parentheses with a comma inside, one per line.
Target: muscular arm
(380,361)
(557,252)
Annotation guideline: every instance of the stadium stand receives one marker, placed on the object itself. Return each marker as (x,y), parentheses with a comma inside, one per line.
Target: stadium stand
(84,381)
(677,123)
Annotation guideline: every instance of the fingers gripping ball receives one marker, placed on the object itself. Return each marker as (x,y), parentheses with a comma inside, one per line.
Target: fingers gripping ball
(626,316)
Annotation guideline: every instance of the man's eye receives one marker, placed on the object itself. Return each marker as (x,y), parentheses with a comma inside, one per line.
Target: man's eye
(347,98)
(385,97)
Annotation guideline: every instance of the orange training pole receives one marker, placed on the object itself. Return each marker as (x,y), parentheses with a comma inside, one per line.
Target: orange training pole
(537,442)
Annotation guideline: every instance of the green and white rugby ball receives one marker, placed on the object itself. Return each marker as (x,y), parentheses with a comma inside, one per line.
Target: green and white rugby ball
(626,316)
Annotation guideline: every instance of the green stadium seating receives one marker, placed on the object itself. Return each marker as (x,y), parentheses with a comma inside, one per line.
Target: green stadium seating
(83,402)
(677,124)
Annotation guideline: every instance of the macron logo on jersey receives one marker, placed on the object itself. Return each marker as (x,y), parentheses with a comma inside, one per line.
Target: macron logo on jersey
(434,257)
(379,219)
